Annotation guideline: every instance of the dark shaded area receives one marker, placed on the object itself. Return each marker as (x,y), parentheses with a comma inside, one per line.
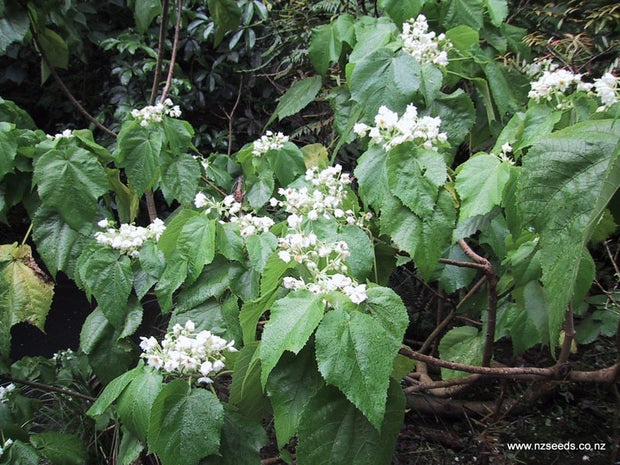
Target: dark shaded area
(62,327)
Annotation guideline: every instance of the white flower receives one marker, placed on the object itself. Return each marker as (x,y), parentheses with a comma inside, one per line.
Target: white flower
(200,200)
(129,238)
(269,141)
(391,131)
(218,365)
(284,256)
(425,47)
(104,223)
(606,88)
(155,113)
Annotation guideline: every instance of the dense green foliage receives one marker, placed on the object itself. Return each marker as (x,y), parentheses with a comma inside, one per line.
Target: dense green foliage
(271,255)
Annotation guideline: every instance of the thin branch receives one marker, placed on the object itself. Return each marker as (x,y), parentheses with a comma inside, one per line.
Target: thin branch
(150,205)
(46,387)
(489,338)
(160,50)
(448,261)
(438,329)
(175,46)
(231,115)
(605,375)
(212,184)
(569,336)
(433,385)
(65,89)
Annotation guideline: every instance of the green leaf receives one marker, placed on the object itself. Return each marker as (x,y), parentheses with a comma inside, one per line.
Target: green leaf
(524,128)
(402,10)
(431,80)
(480,184)
(462,345)
(99,340)
(25,291)
(453,278)
(8,149)
(145,11)
(251,312)
(58,243)
(107,275)
(135,401)
(360,363)
(127,201)
(387,308)
(463,37)
(497,10)
(299,95)
(567,181)
(168,241)
(138,152)
(371,34)
(519,326)
(112,391)
(261,189)
(260,248)
(246,391)
(291,384)
(466,12)
(362,258)
(129,449)
(371,175)
(327,42)
(228,241)
(293,320)
(179,135)
(457,114)
(71,180)
(186,423)
(60,448)
(332,431)
(173,276)
(502,88)
(226,15)
(381,78)
(242,440)
(532,300)
(415,176)
(55,48)
(287,163)
(214,280)
(14,25)
(424,239)
(197,243)
(180,175)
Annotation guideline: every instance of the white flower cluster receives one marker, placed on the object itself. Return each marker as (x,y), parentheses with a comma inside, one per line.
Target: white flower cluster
(249,224)
(390,130)
(5,445)
(5,391)
(185,353)
(321,259)
(156,113)
(606,87)
(66,134)
(556,84)
(323,200)
(504,156)
(269,141)
(425,47)
(128,238)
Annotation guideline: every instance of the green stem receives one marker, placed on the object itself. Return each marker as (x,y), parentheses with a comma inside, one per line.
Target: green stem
(27,234)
